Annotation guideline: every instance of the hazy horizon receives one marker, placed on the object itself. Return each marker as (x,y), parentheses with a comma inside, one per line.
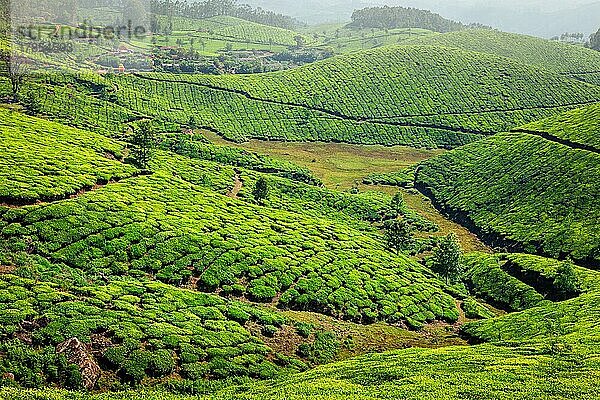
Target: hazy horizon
(534,17)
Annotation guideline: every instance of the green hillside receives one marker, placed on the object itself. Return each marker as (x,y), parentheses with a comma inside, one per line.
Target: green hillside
(580,126)
(432,233)
(574,61)
(211,35)
(174,272)
(421,96)
(521,191)
(547,351)
(42,160)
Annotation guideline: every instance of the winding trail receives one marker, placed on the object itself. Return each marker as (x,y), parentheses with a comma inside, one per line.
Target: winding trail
(237,186)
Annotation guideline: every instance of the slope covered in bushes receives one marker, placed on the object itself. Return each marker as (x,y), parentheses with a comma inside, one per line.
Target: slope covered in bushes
(564,58)
(549,350)
(42,160)
(167,227)
(416,95)
(580,126)
(521,191)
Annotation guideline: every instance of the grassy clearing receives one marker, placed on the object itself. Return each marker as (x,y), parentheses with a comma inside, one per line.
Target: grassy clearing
(337,165)
(341,166)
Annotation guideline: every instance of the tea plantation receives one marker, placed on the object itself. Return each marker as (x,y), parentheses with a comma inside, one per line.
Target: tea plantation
(249,35)
(164,274)
(521,191)
(549,350)
(42,160)
(215,272)
(569,60)
(579,127)
(392,95)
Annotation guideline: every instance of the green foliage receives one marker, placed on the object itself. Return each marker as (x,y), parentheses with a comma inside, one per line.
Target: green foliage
(228,28)
(143,142)
(403,178)
(579,126)
(550,55)
(446,259)
(398,234)
(402,17)
(475,310)
(324,349)
(261,190)
(397,204)
(486,279)
(521,191)
(42,160)
(195,148)
(161,363)
(304,329)
(565,280)
(271,106)
(269,330)
(174,230)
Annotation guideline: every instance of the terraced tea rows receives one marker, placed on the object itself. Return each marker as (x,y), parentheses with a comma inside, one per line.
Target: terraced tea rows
(141,329)
(415,95)
(44,160)
(177,231)
(577,127)
(520,190)
(553,56)
(547,351)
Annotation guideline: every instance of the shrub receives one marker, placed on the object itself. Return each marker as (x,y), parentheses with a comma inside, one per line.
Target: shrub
(161,363)
(269,330)
(304,329)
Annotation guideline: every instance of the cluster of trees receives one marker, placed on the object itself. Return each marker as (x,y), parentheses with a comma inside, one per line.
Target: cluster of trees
(188,61)
(572,37)
(213,8)
(402,17)
(594,42)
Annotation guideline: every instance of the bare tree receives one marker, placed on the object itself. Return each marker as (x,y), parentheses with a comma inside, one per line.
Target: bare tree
(16,68)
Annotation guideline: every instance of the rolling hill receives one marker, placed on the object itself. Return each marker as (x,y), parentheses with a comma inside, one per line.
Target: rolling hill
(415,95)
(579,127)
(219,272)
(175,262)
(576,62)
(549,350)
(526,190)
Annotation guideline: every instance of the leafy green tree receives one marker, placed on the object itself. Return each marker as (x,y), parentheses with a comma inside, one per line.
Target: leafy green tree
(398,235)
(143,143)
(565,281)
(595,41)
(397,204)
(446,260)
(261,190)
